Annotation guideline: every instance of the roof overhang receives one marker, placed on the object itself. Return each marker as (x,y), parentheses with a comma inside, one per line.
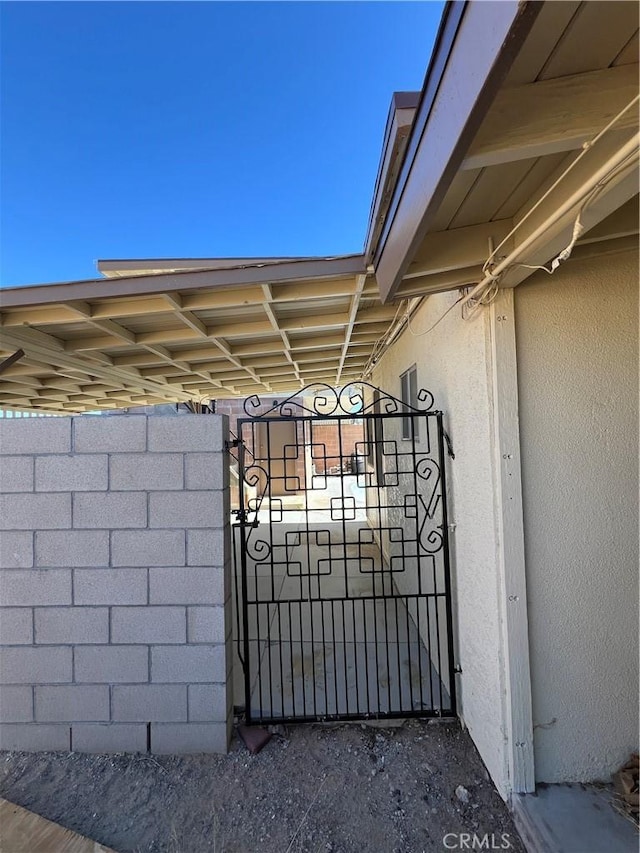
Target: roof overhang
(266,327)
(154,266)
(513,93)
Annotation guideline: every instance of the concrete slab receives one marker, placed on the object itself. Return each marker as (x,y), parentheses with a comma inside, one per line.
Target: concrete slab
(312,679)
(573,819)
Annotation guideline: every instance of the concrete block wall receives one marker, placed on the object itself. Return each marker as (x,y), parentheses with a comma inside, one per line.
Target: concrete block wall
(115,617)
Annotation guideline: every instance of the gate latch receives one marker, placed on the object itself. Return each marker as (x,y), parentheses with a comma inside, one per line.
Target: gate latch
(242,518)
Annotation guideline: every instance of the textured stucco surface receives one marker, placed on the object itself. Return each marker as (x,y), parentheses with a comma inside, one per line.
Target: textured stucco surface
(577,338)
(454,363)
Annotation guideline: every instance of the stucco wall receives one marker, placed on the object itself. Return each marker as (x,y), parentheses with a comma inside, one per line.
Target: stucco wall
(453,362)
(114,556)
(577,338)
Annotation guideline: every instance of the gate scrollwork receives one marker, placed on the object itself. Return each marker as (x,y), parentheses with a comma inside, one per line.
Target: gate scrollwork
(331,402)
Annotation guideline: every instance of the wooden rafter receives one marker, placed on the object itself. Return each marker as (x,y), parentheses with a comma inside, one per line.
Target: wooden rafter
(108,350)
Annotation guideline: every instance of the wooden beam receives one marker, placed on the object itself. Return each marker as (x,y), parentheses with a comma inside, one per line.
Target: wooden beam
(38,316)
(258,347)
(312,290)
(316,342)
(241,330)
(96,342)
(83,309)
(6,364)
(602,181)
(623,222)
(553,115)
(441,282)
(167,336)
(458,248)
(193,322)
(27,369)
(510,546)
(353,313)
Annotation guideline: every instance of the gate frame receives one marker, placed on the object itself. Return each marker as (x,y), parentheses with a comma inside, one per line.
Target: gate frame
(285,411)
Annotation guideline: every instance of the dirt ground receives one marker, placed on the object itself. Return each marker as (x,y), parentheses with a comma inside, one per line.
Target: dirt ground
(312,789)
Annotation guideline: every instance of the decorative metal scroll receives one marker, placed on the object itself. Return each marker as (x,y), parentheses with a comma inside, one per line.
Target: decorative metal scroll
(331,402)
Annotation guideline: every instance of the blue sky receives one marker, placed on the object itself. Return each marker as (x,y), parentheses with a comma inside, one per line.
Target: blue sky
(195,129)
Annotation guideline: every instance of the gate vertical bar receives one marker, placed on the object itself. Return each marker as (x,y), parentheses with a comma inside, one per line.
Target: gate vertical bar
(242,521)
(447,564)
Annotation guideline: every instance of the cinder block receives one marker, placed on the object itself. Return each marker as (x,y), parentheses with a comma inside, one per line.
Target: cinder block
(186,585)
(16,549)
(192,664)
(112,664)
(34,512)
(148,548)
(28,665)
(16,626)
(75,473)
(35,435)
(69,548)
(62,625)
(109,737)
(110,510)
(32,587)
(186,433)
(189,738)
(16,703)
(16,474)
(207,624)
(115,434)
(207,470)
(206,547)
(186,509)
(110,586)
(208,703)
(31,737)
(150,702)
(148,625)
(146,471)
(73,702)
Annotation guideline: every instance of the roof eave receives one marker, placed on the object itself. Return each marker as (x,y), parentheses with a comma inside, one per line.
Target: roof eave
(144,285)
(124,267)
(474,50)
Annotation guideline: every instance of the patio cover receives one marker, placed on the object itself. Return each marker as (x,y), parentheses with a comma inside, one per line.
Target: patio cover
(239,328)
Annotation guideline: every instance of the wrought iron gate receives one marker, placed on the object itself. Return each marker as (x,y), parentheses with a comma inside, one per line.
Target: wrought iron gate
(341,558)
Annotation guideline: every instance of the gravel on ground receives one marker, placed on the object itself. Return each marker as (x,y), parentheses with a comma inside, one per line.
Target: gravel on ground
(350,788)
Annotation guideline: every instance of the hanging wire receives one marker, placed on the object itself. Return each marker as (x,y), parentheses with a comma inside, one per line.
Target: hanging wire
(585,149)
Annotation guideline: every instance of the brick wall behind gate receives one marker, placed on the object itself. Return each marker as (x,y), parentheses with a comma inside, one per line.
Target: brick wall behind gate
(333,444)
(115,584)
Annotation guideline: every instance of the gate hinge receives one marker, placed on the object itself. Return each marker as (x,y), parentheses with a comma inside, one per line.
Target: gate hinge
(457,669)
(228,445)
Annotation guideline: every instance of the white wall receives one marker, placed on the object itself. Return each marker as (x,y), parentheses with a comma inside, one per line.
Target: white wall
(454,363)
(577,338)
